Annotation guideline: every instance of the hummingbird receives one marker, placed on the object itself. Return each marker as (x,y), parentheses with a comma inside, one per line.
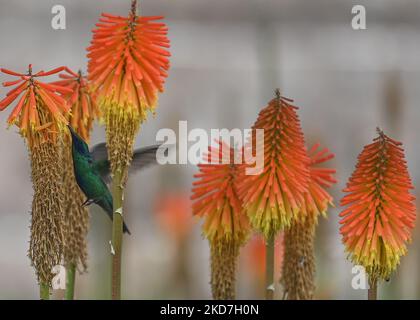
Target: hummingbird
(92,171)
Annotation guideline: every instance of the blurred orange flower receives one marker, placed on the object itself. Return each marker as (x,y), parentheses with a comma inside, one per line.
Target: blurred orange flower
(127,64)
(173,214)
(254,253)
(274,198)
(215,197)
(81,100)
(40,110)
(380,215)
(317,199)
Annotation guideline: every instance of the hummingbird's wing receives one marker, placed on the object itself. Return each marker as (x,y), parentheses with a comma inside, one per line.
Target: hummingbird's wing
(100,163)
(142,158)
(99,152)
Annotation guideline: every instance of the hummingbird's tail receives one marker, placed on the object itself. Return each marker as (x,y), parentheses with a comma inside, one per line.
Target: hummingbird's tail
(125,229)
(106,204)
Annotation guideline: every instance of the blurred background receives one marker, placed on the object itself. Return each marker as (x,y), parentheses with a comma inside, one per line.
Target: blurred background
(227,58)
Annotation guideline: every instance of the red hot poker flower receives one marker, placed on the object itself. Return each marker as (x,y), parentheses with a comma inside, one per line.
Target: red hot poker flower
(216,197)
(40,109)
(127,64)
(299,278)
(226,225)
(380,215)
(81,100)
(40,114)
(317,199)
(274,198)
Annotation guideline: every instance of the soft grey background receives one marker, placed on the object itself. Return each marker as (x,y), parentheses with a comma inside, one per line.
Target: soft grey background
(227,58)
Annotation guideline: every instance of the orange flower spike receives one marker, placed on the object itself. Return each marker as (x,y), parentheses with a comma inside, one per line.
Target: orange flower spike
(81,100)
(127,65)
(317,199)
(380,216)
(274,198)
(40,111)
(225,224)
(215,198)
(126,69)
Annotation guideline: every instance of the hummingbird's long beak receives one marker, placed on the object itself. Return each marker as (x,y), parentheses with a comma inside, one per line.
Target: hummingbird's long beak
(73,134)
(71,130)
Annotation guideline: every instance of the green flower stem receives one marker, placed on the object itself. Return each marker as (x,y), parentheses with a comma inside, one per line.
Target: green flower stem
(44,291)
(117,234)
(269,268)
(373,290)
(70,281)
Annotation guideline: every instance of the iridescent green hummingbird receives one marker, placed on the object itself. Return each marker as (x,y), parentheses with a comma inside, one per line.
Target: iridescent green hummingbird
(92,170)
